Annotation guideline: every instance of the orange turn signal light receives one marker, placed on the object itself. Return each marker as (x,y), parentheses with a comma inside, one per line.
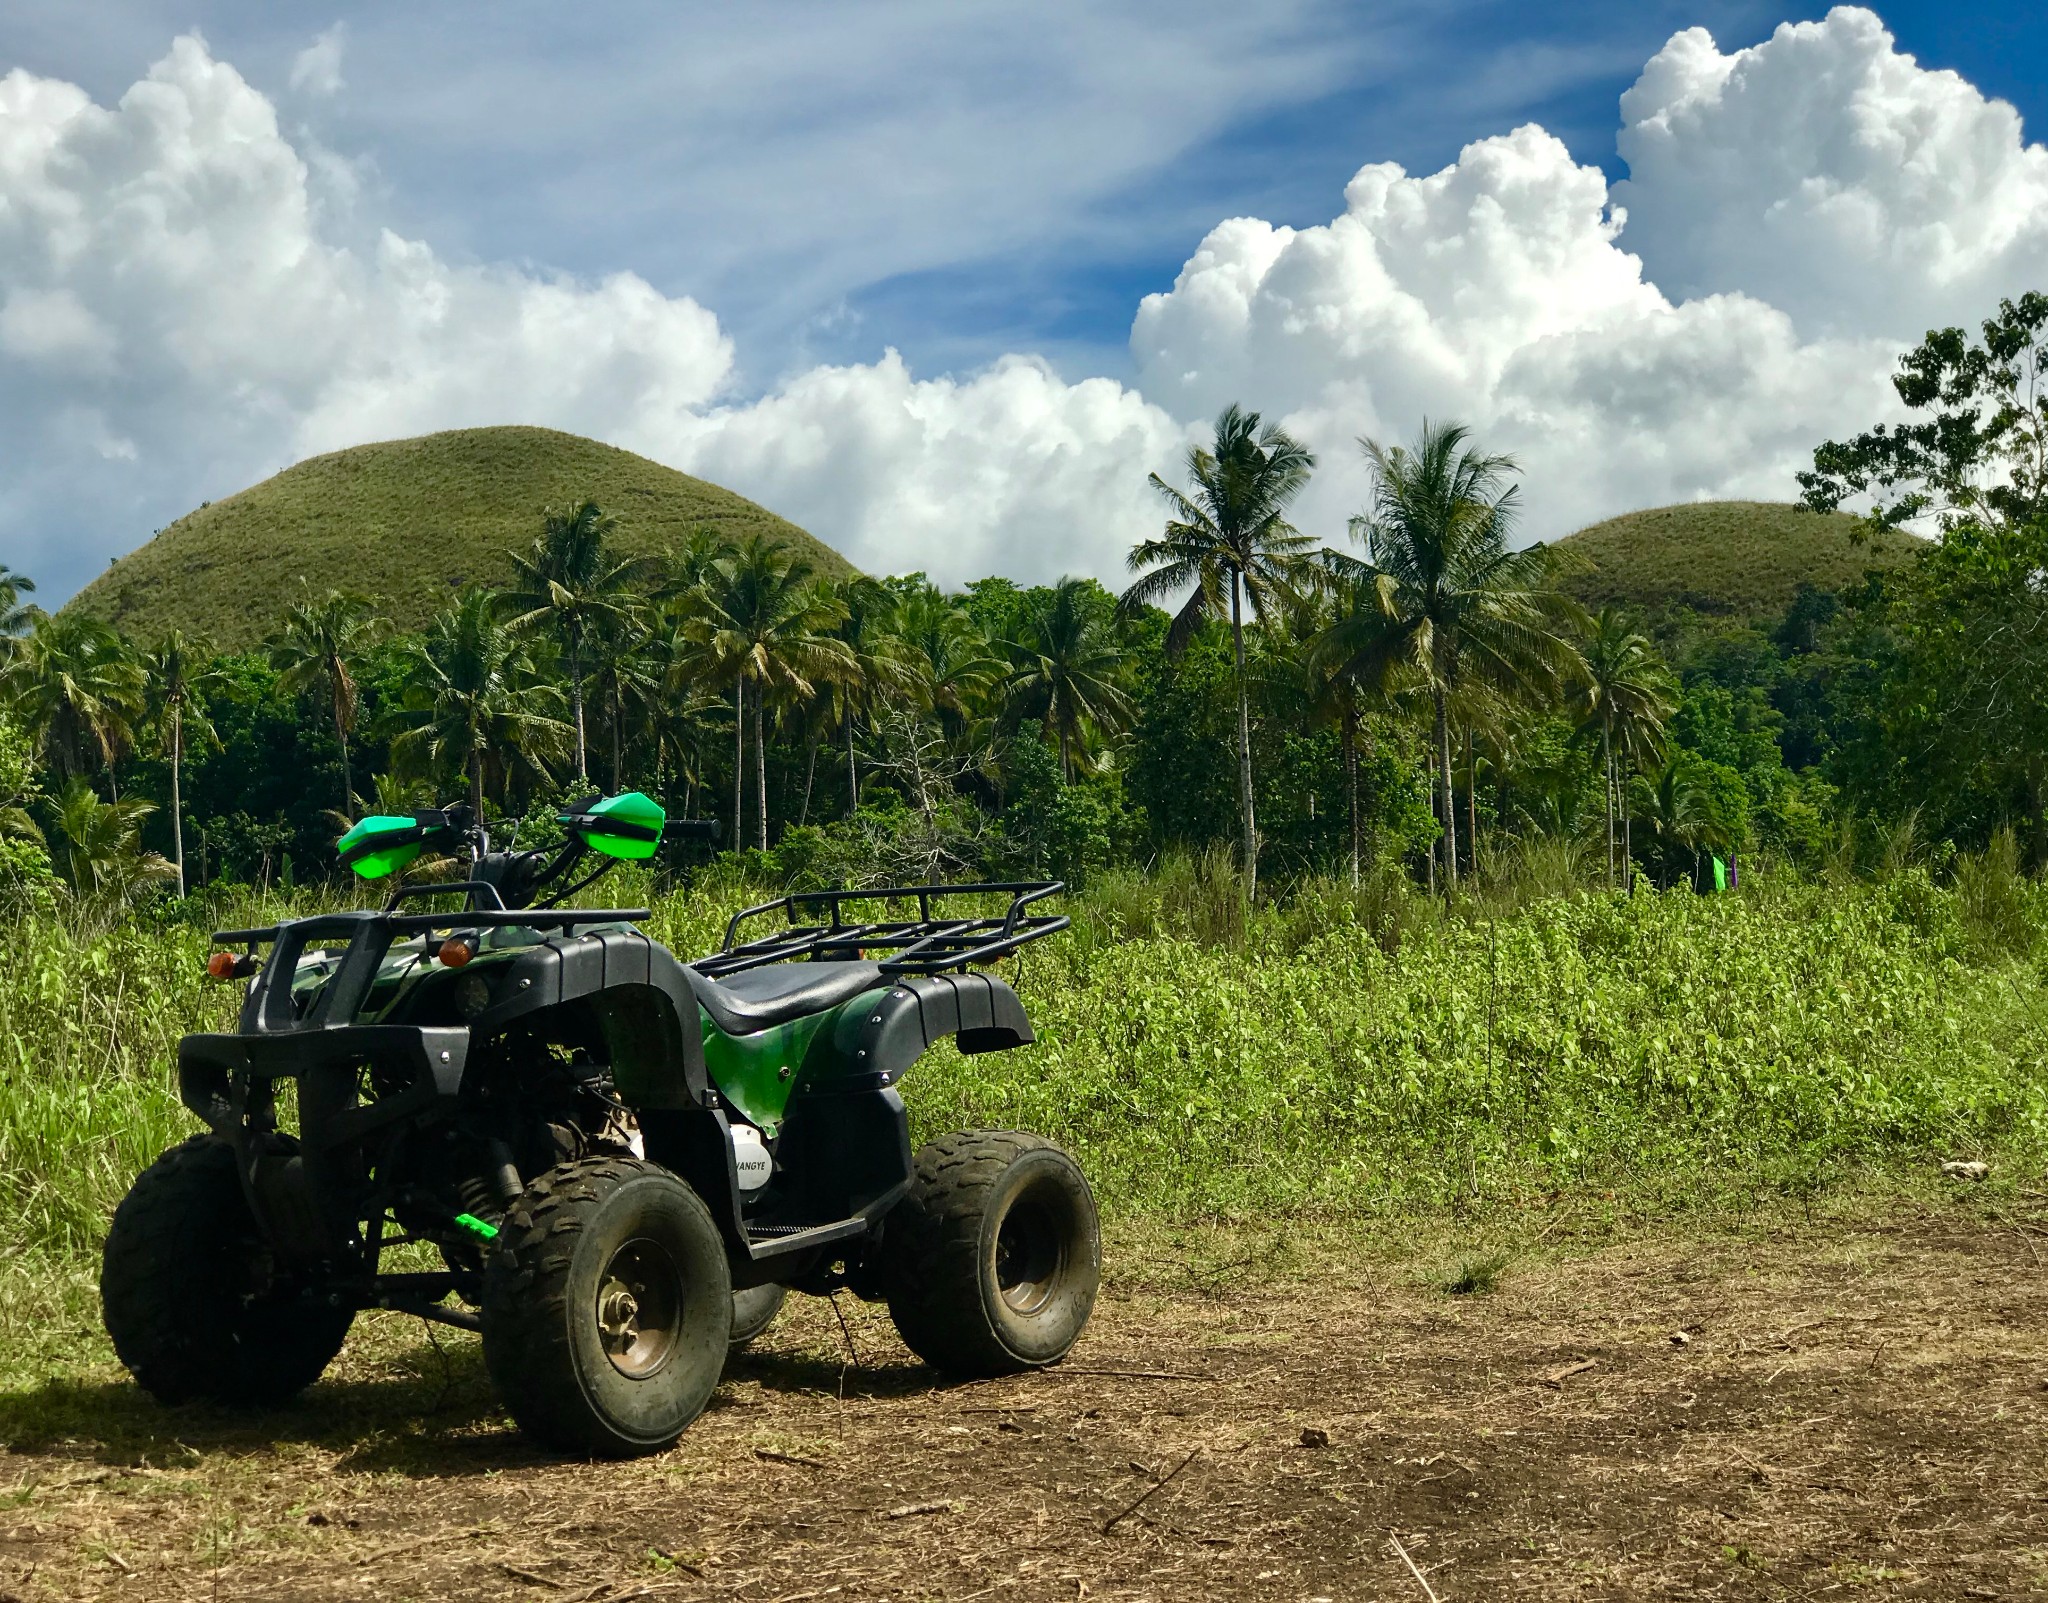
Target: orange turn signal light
(455,951)
(227,966)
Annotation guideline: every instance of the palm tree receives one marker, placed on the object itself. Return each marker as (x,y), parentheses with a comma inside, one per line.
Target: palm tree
(624,677)
(317,654)
(1065,666)
(102,855)
(75,686)
(1228,542)
(1353,670)
(15,614)
(570,582)
(1624,695)
(477,701)
(761,621)
(1463,606)
(1677,811)
(868,612)
(945,662)
(179,677)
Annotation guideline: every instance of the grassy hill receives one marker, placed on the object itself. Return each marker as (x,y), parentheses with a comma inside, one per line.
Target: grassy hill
(1742,560)
(408,521)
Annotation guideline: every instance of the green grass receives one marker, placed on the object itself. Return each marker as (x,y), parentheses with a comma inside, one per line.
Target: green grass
(406,521)
(1743,560)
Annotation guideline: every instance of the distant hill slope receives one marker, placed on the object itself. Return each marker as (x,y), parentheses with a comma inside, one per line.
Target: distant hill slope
(1743,560)
(409,522)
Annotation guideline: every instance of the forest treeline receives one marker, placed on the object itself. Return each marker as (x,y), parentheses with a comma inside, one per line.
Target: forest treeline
(1416,696)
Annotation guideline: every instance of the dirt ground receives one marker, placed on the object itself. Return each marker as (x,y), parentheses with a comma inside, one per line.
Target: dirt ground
(1851,1410)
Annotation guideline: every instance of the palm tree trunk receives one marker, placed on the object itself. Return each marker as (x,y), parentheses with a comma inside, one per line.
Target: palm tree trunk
(348,783)
(1435,849)
(618,744)
(1244,743)
(761,768)
(1371,820)
(476,783)
(810,777)
(1348,735)
(1472,801)
(739,762)
(576,701)
(1448,802)
(1607,744)
(852,773)
(177,799)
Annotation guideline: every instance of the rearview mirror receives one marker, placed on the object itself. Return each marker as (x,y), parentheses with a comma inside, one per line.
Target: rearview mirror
(626,826)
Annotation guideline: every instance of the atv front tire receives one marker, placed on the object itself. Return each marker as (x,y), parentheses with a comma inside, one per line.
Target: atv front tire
(186,1290)
(607,1307)
(991,1263)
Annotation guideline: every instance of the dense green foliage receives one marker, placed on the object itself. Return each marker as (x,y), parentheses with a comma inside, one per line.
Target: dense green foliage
(1342,1051)
(407,521)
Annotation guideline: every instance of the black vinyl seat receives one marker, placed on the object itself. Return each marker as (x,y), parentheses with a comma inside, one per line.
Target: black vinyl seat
(757,998)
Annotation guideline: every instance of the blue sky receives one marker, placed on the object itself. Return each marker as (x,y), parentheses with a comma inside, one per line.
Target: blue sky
(671,225)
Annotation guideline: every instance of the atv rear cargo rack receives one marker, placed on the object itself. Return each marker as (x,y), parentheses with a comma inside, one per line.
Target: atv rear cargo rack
(927,944)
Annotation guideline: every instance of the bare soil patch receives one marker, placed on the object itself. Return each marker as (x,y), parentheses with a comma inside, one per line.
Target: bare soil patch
(1844,1410)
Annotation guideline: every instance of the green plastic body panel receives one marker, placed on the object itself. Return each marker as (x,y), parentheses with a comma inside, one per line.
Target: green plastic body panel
(759,1073)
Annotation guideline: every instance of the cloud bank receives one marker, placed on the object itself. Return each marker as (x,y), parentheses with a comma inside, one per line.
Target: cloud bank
(190,300)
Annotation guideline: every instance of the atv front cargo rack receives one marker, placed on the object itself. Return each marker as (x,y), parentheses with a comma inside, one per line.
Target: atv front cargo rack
(931,943)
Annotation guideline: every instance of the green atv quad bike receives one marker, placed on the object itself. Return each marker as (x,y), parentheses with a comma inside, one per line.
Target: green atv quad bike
(624,1161)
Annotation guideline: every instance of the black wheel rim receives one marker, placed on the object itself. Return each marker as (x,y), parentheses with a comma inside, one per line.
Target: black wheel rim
(639,1308)
(1030,1255)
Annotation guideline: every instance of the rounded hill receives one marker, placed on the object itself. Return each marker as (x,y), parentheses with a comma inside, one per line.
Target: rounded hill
(1740,560)
(410,523)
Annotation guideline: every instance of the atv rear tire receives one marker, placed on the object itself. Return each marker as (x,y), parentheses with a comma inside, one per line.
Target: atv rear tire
(607,1307)
(753,1311)
(991,1263)
(186,1290)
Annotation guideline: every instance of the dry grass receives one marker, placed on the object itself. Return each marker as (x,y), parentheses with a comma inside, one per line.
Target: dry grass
(407,521)
(1853,1407)
(1743,560)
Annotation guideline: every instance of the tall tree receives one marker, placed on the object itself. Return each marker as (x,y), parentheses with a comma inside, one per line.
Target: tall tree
(1228,543)
(874,669)
(15,614)
(763,623)
(102,855)
(1352,671)
(179,674)
(478,703)
(570,582)
(1066,668)
(317,654)
(73,683)
(1463,605)
(1623,695)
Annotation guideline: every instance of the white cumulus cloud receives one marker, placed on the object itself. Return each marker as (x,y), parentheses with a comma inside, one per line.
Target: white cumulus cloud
(316,70)
(188,302)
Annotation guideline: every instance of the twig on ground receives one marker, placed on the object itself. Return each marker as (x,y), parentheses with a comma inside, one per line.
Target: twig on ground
(1126,1512)
(775,1457)
(422,1541)
(1555,1378)
(1421,1580)
(518,1574)
(910,1510)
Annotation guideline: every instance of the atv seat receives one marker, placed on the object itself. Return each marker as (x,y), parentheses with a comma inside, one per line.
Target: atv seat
(755,999)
